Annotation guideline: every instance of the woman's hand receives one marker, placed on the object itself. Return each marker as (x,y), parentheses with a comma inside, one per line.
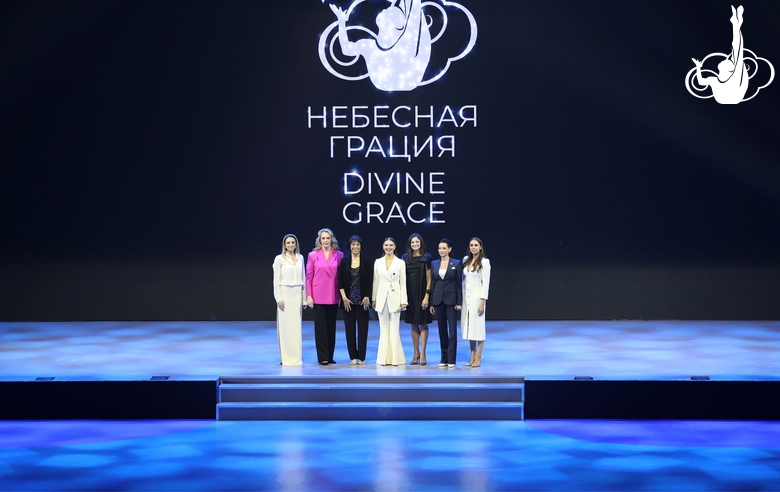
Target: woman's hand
(424,304)
(481,308)
(281,305)
(366,303)
(347,304)
(403,306)
(310,301)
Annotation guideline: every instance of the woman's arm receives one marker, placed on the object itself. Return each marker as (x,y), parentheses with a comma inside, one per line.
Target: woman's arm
(427,297)
(303,281)
(485,278)
(343,280)
(458,285)
(375,283)
(402,282)
(343,274)
(367,281)
(278,278)
(433,286)
(310,277)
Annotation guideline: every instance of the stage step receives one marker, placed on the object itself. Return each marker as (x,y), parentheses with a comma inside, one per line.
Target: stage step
(370,398)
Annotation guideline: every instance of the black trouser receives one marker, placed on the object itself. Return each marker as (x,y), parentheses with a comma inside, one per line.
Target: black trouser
(448,340)
(325,330)
(356,315)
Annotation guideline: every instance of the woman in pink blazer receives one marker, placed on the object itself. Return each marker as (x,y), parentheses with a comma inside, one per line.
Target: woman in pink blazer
(322,286)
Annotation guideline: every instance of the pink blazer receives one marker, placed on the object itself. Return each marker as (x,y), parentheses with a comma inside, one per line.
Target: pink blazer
(322,279)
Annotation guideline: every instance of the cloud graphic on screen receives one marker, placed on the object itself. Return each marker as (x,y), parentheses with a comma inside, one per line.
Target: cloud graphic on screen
(731,82)
(398,56)
(753,62)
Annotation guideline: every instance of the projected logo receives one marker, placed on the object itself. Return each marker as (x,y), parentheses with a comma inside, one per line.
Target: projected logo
(397,48)
(730,84)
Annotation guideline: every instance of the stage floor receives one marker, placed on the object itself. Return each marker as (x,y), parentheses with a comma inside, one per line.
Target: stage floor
(391,455)
(728,350)
(405,455)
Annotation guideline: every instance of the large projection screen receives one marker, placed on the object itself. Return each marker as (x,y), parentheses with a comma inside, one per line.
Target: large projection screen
(154,153)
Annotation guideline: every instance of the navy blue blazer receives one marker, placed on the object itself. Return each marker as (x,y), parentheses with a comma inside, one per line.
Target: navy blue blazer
(447,290)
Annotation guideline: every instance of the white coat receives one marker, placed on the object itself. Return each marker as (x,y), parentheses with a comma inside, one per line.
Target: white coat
(476,286)
(389,292)
(389,285)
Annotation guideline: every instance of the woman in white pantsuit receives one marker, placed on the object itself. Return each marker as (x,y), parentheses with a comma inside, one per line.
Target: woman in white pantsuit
(476,284)
(290,295)
(389,300)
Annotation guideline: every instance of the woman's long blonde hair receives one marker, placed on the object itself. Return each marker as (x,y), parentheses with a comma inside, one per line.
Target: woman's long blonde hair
(334,244)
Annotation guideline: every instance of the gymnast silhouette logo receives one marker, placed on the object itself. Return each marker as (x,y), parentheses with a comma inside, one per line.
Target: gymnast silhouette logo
(730,84)
(398,57)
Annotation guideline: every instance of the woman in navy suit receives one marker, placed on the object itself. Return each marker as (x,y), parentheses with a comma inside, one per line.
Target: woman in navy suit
(446,299)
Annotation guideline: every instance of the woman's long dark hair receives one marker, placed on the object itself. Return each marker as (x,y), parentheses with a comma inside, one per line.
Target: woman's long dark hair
(409,251)
(475,263)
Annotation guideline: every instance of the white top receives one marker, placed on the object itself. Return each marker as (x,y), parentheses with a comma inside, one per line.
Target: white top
(289,274)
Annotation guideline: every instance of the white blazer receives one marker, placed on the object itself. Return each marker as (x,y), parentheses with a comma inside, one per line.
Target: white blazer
(389,284)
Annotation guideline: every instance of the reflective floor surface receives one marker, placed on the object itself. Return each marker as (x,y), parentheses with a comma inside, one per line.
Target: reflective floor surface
(406,455)
(603,349)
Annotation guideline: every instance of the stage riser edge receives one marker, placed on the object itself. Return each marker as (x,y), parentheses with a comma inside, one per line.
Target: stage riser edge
(652,400)
(370,392)
(371,398)
(108,400)
(375,411)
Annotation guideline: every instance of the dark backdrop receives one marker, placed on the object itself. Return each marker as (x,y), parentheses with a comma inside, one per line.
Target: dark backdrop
(154,153)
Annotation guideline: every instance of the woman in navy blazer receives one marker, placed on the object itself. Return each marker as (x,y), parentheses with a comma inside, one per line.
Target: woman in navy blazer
(446,299)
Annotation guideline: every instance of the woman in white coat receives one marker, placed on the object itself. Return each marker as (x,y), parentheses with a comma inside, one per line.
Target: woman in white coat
(290,295)
(476,284)
(389,299)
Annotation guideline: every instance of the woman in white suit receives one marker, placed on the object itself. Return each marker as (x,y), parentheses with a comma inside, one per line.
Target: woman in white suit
(290,295)
(476,284)
(389,299)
